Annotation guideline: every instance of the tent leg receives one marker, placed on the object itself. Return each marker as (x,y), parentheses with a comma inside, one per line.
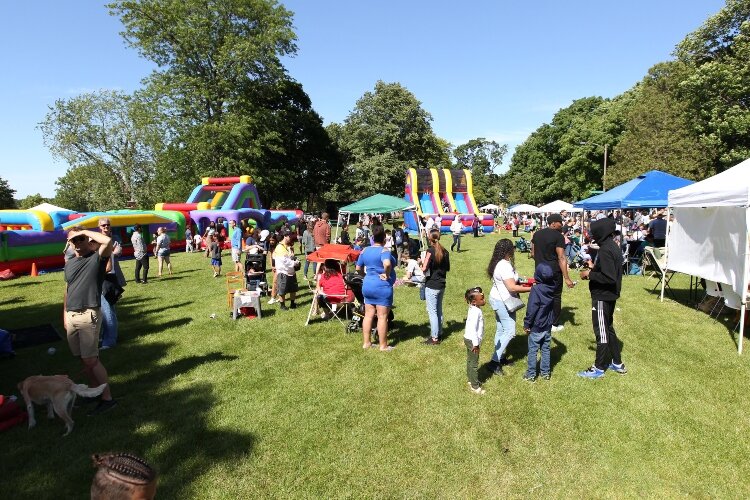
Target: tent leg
(662,289)
(742,327)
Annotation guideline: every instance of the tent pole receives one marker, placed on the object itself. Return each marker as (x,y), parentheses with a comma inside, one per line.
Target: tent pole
(742,327)
(666,251)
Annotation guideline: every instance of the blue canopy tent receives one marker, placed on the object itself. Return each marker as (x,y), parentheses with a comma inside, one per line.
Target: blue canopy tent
(648,190)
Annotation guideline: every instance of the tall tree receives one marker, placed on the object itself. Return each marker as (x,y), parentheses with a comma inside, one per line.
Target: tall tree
(231,107)
(88,188)
(553,164)
(387,132)
(112,130)
(718,91)
(658,130)
(32,200)
(6,195)
(482,157)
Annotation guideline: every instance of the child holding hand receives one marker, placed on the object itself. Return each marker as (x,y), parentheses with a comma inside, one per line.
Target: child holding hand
(473,334)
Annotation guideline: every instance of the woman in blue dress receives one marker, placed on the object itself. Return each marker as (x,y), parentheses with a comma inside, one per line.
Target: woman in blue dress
(380,275)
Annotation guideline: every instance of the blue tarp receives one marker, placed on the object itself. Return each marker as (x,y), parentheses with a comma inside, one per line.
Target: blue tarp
(648,190)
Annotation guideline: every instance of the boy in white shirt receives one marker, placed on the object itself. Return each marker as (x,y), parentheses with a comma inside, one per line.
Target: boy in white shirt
(473,334)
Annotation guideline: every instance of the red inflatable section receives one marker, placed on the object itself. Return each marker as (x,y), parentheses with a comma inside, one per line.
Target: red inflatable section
(212,181)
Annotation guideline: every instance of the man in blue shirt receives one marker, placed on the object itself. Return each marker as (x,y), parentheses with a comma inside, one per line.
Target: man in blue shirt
(235,234)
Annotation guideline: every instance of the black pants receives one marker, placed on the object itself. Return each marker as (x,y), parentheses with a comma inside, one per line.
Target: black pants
(476,232)
(141,263)
(608,346)
(515,233)
(557,299)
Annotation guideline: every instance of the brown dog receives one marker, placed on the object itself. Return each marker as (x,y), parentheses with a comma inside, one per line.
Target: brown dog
(58,392)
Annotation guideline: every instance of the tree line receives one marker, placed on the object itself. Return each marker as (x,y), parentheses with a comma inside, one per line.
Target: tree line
(220,103)
(689,116)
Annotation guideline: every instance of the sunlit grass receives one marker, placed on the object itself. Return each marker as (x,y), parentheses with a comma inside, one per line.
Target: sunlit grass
(259,408)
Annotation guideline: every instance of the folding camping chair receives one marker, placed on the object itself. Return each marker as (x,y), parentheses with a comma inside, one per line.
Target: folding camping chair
(332,255)
(713,290)
(235,281)
(658,269)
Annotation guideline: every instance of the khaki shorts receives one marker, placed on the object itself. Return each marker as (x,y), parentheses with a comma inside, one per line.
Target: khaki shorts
(83,329)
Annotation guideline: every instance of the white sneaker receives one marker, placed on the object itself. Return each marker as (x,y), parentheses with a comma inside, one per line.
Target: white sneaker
(272,301)
(558,328)
(478,390)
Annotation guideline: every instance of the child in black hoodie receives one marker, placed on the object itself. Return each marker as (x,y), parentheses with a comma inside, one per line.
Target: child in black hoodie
(605,282)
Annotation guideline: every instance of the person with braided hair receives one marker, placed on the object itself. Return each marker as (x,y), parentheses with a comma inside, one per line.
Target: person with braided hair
(122,476)
(505,285)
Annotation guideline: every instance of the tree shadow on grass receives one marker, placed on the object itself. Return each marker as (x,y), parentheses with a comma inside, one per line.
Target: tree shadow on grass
(161,417)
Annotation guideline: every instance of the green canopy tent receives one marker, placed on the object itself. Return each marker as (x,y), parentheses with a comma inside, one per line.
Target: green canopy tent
(377,204)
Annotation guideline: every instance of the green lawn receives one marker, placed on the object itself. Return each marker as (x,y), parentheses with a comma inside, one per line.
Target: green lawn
(271,408)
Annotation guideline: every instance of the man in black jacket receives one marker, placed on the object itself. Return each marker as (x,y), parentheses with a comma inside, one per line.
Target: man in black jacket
(605,282)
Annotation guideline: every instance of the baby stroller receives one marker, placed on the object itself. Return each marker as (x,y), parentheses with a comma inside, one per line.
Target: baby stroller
(522,245)
(355,282)
(255,273)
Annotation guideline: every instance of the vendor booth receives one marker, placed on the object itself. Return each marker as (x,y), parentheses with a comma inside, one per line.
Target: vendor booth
(710,234)
(648,190)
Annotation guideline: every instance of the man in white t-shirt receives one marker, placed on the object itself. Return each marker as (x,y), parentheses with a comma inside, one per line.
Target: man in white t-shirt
(415,274)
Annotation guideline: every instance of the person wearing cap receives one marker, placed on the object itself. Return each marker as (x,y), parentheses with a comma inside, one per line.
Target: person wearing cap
(286,276)
(84,275)
(658,229)
(117,280)
(548,245)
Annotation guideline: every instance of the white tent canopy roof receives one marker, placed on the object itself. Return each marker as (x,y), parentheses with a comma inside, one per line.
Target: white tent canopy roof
(731,188)
(558,206)
(489,206)
(524,207)
(49,208)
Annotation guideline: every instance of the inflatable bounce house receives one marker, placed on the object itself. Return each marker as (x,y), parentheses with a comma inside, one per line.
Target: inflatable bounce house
(445,193)
(229,198)
(35,238)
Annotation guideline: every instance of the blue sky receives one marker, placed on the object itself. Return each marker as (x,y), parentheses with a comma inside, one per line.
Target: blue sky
(482,68)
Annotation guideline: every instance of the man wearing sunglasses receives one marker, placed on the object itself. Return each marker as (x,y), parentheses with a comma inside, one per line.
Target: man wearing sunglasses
(84,275)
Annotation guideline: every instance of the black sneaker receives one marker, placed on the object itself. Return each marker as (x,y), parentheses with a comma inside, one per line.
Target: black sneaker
(103,407)
(85,401)
(497,369)
(431,341)
(505,362)
(292,305)
(283,307)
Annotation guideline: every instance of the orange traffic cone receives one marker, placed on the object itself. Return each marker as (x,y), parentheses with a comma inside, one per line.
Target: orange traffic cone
(33,269)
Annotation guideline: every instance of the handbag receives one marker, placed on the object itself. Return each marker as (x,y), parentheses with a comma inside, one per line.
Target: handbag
(512,304)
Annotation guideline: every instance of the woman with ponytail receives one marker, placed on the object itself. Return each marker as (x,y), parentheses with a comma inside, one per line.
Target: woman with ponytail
(504,278)
(435,265)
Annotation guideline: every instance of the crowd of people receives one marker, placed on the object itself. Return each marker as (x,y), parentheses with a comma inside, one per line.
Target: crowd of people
(95,281)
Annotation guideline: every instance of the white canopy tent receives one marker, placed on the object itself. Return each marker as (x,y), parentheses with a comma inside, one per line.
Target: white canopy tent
(490,206)
(524,208)
(710,236)
(49,208)
(558,206)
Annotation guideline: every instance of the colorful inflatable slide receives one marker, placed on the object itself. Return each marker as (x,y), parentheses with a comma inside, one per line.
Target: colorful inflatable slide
(445,193)
(36,237)
(229,198)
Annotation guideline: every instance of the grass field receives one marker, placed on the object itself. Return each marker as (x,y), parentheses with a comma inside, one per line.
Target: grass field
(271,408)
